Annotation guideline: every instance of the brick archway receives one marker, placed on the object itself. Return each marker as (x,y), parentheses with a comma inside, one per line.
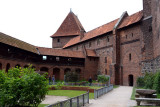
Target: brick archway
(7,67)
(26,66)
(56,73)
(43,70)
(66,70)
(18,65)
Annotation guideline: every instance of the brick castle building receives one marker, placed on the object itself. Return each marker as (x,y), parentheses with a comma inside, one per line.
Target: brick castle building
(124,48)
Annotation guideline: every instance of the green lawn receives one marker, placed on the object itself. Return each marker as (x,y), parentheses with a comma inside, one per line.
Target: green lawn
(42,105)
(69,93)
(133,93)
(91,87)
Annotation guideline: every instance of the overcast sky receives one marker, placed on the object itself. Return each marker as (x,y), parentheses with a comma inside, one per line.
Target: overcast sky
(34,21)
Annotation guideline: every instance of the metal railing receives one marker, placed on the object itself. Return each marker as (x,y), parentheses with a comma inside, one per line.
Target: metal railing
(102,91)
(78,101)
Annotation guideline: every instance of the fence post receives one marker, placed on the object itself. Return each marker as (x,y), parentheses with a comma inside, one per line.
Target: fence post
(88,97)
(71,102)
(83,99)
(77,101)
(61,104)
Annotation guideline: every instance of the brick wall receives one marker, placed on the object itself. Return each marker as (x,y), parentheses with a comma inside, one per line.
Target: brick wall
(130,53)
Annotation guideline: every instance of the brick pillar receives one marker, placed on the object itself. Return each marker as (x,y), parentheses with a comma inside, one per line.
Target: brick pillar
(61,74)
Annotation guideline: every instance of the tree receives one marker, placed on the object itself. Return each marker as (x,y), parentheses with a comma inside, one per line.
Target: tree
(71,77)
(22,87)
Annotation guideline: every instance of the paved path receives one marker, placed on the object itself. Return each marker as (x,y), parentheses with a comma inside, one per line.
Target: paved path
(119,97)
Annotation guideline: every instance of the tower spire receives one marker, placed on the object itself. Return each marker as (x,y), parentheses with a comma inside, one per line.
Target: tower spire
(70,9)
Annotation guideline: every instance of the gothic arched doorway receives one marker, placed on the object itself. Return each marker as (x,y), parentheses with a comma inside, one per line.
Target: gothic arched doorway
(130,80)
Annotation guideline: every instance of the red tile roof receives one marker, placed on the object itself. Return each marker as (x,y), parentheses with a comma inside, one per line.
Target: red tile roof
(17,43)
(70,26)
(131,19)
(106,28)
(91,53)
(60,52)
(93,33)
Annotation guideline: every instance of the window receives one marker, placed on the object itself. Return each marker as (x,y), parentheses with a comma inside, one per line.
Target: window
(90,44)
(106,71)
(130,57)
(57,59)
(98,42)
(44,57)
(77,48)
(105,60)
(69,59)
(107,39)
(58,40)
(150,28)
(132,34)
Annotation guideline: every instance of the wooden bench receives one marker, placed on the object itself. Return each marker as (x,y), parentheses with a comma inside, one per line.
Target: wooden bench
(148,100)
(153,96)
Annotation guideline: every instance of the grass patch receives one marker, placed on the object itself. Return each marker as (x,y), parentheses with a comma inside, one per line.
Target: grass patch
(69,93)
(115,86)
(133,93)
(42,105)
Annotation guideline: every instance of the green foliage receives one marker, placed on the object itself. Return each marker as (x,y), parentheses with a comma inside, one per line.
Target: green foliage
(156,84)
(140,82)
(59,85)
(22,87)
(71,77)
(103,79)
(148,80)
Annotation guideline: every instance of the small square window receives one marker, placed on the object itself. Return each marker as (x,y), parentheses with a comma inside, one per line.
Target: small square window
(57,58)
(69,59)
(44,57)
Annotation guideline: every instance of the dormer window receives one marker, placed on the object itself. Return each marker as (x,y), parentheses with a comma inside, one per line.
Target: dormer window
(44,57)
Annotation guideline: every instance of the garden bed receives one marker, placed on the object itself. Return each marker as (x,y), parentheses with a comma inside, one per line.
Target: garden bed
(74,88)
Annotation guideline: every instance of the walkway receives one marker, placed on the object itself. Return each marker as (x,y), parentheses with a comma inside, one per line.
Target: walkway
(119,97)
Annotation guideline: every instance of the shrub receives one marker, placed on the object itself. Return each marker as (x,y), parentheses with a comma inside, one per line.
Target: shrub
(140,82)
(71,77)
(103,78)
(59,85)
(156,84)
(22,87)
(148,80)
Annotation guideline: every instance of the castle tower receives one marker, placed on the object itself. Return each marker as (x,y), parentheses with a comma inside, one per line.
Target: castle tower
(70,28)
(146,8)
